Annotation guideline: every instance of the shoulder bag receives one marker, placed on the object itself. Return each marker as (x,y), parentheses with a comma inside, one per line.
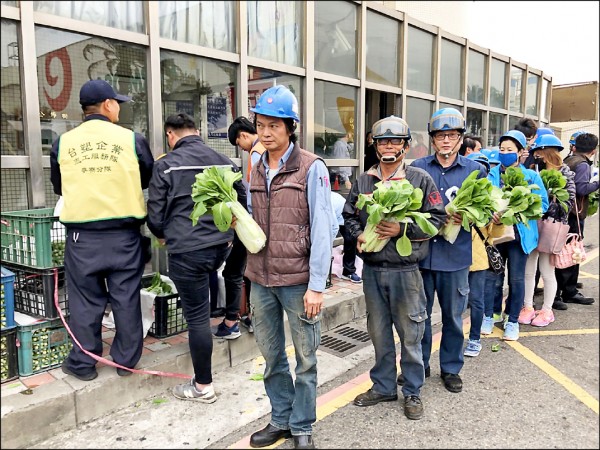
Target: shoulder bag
(494,257)
(573,252)
(553,236)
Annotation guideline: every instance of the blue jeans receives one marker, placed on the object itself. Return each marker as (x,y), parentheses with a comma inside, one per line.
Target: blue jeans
(293,406)
(190,273)
(516,259)
(492,293)
(395,298)
(452,291)
(477,282)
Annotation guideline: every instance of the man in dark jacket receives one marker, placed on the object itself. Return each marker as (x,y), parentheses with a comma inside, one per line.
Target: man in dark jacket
(393,285)
(194,251)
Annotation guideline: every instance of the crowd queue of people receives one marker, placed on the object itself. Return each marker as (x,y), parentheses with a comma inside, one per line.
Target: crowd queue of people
(101,169)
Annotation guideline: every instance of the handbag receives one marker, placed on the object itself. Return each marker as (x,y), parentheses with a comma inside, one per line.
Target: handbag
(509,235)
(553,236)
(572,253)
(495,259)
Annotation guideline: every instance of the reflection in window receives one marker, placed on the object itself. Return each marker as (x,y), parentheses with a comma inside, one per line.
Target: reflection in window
(51,197)
(275,31)
(65,61)
(544,103)
(259,80)
(204,89)
(420,60)
(11,122)
(497,82)
(13,195)
(123,15)
(512,122)
(8,3)
(475,88)
(451,68)
(516,89)
(418,113)
(206,23)
(383,39)
(496,129)
(531,97)
(335,38)
(475,122)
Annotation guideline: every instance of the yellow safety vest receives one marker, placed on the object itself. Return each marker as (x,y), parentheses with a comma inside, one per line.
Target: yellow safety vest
(100,173)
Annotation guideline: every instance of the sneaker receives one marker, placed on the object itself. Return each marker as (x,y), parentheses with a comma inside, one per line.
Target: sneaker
(352,277)
(511,331)
(188,391)
(473,348)
(487,326)
(413,407)
(498,318)
(225,332)
(544,318)
(526,315)
(247,322)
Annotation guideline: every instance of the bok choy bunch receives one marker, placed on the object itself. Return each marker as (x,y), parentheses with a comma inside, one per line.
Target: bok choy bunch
(393,201)
(213,192)
(523,205)
(474,201)
(555,183)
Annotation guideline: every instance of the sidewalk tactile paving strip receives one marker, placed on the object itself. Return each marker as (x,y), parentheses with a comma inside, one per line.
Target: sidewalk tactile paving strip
(344,340)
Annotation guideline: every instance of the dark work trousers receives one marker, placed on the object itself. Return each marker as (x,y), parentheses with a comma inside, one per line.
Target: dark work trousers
(233,274)
(190,272)
(349,256)
(95,261)
(566,279)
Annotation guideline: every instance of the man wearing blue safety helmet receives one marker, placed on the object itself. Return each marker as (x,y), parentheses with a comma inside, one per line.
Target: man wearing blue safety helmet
(445,269)
(392,283)
(572,141)
(290,199)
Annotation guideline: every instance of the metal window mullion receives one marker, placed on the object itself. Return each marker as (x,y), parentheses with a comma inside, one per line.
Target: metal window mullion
(153,81)
(309,80)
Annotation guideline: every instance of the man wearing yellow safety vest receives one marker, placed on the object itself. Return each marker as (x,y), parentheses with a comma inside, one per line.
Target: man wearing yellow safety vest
(100,169)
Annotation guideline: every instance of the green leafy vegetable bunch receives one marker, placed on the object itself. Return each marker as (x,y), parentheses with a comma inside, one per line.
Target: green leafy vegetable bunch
(555,182)
(522,204)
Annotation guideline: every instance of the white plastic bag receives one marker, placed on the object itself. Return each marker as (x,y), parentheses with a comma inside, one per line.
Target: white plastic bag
(337,267)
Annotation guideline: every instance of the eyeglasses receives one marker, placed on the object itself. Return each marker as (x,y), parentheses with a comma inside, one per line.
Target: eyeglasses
(451,136)
(384,142)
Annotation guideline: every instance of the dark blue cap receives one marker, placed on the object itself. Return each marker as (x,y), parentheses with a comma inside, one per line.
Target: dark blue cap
(96,91)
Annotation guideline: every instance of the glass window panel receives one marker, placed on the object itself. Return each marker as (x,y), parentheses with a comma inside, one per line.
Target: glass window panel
(512,122)
(14,190)
(475,124)
(65,61)
(418,113)
(476,83)
(206,23)
(496,129)
(259,80)
(420,60)
(497,83)
(544,110)
(203,88)
(335,37)
(516,89)
(123,15)
(531,106)
(450,105)
(8,3)
(51,197)
(275,31)
(11,122)
(383,40)
(451,67)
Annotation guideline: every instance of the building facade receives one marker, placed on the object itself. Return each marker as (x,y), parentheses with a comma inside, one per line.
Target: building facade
(348,62)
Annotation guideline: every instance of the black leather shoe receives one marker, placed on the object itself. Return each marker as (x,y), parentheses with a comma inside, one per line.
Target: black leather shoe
(452,382)
(400,379)
(268,436)
(85,377)
(580,299)
(559,305)
(123,372)
(413,407)
(371,398)
(304,441)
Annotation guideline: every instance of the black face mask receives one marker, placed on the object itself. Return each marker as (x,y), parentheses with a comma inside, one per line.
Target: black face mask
(541,164)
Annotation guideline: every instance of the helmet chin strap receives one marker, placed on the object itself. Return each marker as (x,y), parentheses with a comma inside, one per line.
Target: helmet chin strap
(451,152)
(391,159)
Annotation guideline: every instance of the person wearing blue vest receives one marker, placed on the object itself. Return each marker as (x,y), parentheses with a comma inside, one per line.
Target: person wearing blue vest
(515,252)
(100,169)
(445,269)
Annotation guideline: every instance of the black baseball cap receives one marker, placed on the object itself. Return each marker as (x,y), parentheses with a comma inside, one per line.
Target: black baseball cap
(96,91)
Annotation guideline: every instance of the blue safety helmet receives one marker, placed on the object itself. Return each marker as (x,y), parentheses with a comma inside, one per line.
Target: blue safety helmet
(492,155)
(547,140)
(391,127)
(516,136)
(574,136)
(481,159)
(277,101)
(543,131)
(446,119)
